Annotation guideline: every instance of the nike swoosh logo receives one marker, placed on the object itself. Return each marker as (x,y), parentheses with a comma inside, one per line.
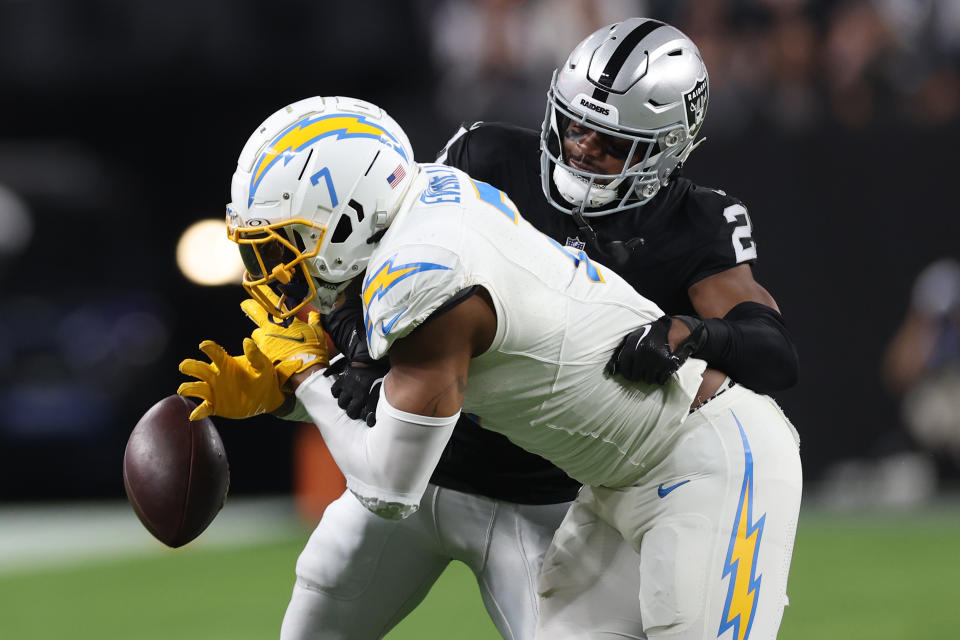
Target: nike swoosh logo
(387,326)
(302,338)
(646,330)
(662,491)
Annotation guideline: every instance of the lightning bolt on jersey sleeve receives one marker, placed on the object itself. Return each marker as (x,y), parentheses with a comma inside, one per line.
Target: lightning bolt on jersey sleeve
(404,288)
(386,466)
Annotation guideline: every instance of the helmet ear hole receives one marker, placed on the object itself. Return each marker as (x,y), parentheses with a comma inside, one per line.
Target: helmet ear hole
(343,230)
(358,208)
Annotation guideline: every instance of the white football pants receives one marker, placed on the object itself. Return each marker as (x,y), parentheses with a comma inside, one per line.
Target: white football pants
(359,574)
(700,549)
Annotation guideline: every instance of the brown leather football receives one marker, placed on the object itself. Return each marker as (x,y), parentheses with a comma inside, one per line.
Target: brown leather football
(175,471)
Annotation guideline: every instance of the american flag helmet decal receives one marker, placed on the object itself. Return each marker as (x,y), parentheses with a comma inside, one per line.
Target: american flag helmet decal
(396,177)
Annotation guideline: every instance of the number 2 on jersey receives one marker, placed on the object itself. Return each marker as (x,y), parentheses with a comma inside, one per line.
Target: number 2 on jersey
(743,245)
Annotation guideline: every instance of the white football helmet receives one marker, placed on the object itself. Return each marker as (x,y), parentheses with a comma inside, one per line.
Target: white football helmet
(314,185)
(641,81)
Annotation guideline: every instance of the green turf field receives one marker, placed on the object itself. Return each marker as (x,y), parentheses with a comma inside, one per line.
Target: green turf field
(871,577)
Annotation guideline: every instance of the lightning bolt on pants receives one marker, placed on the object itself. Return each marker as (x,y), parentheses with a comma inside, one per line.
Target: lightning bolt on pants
(699,549)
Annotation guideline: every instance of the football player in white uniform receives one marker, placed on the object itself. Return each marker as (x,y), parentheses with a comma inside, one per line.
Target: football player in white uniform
(688,248)
(692,486)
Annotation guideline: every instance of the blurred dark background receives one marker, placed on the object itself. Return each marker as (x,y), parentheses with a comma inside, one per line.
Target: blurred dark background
(120,123)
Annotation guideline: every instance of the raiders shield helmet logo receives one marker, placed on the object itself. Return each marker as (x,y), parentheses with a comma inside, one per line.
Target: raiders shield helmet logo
(695,104)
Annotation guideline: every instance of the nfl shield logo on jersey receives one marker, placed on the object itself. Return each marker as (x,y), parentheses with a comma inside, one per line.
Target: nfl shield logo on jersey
(576,243)
(695,104)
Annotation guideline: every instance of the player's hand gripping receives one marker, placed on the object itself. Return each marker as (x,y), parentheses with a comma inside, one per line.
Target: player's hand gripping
(645,354)
(234,386)
(293,345)
(357,388)
(358,376)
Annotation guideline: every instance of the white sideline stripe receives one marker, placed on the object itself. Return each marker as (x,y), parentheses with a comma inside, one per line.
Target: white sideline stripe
(42,536)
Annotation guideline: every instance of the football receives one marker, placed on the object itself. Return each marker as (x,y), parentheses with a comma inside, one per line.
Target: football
(175,471)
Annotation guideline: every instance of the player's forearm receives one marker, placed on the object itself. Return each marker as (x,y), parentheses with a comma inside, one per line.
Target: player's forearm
(387,466)
(751,344)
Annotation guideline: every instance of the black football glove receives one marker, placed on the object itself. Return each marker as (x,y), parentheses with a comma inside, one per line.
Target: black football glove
(645,355)
(345,327)
(357,388)
(358,376)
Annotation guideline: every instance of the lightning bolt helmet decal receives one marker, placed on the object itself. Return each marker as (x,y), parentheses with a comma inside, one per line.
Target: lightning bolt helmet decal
(303,133)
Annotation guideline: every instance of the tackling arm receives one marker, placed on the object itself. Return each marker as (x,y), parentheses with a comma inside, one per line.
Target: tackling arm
(746,337)
(740,331)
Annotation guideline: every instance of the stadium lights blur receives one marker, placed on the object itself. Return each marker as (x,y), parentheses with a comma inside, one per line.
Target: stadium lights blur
(16,220)
(206,256)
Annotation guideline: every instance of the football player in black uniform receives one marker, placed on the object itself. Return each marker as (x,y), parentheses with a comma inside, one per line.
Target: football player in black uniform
(603,175)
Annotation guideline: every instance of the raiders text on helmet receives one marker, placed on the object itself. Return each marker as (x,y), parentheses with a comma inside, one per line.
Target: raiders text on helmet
(314,182)
(639,80)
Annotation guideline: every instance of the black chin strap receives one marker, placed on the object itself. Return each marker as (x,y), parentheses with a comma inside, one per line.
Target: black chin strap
(584,227)
(615,252)
(376,236)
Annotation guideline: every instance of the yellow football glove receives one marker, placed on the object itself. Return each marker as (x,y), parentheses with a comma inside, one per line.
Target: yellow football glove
(234,386)
(293,348)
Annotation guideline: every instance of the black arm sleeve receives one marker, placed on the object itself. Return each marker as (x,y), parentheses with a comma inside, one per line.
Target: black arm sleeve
(751,345)
(345,326)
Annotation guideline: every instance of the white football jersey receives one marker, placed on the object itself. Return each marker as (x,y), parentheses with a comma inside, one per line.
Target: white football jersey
(559,318)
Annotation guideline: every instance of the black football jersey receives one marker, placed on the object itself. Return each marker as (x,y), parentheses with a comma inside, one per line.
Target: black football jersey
(684,234)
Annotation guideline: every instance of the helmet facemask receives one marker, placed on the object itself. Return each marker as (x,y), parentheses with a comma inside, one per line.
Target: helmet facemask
(646,154)
(276,258)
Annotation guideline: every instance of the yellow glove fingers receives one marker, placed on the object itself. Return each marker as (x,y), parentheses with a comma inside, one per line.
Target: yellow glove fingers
(313,318)
(268,293)
(197,369)
(204,410)
(218,356)
(265,291)
(193,389)
(232,387)
(255,312)
(199,390)
(257,359)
